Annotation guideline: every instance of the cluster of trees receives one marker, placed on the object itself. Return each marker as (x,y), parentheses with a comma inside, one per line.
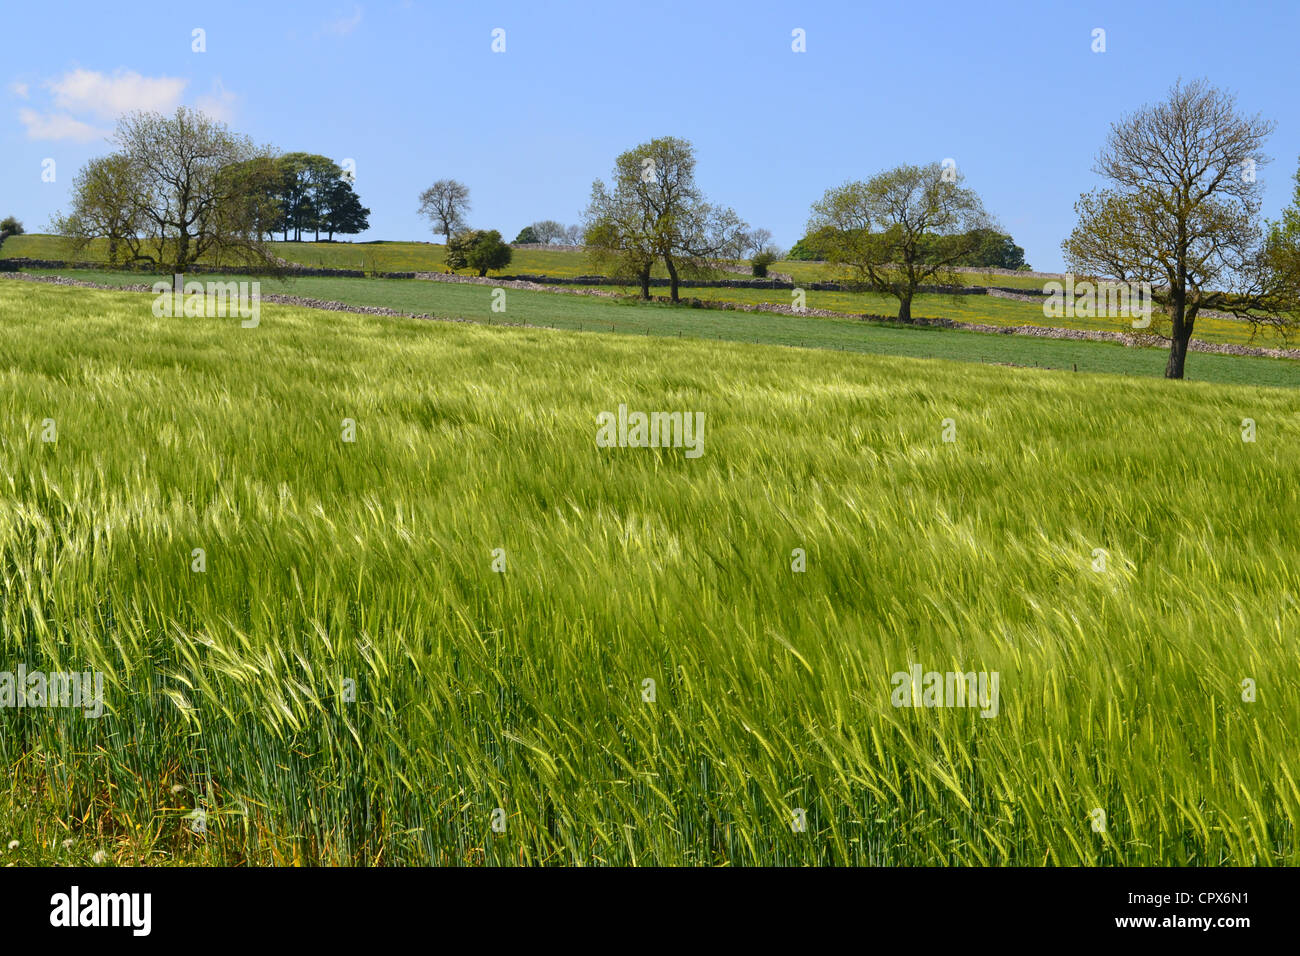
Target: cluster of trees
(651,212)
(9,226)
(178,188)
(312,193)
(547,232)
(1179,211)
(184,187)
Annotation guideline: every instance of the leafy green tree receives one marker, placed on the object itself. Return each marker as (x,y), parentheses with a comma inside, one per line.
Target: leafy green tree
(106,204)
(527,236)
(904,227)
(180,188)
(654,211)
(479,250)
(811,247)
(990,249)
(1281,258)
(342,211)
(306,180)
(995,250)
(619,236)
(760,263)
(322,175)
(291,191)
(9,226)
(260,178)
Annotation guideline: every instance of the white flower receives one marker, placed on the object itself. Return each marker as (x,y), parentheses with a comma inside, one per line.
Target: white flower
(67,843)
(99,857)
(13,844)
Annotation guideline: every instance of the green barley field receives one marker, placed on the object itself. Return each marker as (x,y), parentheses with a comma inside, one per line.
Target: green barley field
(434,644)
(629,317)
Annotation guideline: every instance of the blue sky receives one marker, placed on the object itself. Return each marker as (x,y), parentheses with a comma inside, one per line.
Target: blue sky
(412,92)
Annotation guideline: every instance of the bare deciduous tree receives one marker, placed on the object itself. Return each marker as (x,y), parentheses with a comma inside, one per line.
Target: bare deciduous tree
(1182,213)
(756,241)
(446,203)
(548,231)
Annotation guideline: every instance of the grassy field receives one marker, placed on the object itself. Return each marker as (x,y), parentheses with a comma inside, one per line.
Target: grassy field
(986,310)
(429,257)
(583,313)
(524,690)
(413,256)
(370,256)
(805,271)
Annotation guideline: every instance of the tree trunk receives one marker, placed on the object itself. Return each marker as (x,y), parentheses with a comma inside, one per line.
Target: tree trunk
(672,275)
(645,283)
(905,308)
(1180,333)
(1177,357)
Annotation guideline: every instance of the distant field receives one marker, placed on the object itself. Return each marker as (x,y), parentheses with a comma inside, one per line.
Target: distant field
(423,257)
(369,256)
(37,246)
(429,257)
(379,256)
(987,310)
(414,256)
(803,271)
(607,315)
(652,673)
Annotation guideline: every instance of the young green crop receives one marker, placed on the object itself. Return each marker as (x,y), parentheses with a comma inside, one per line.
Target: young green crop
(626,316)
(371,561)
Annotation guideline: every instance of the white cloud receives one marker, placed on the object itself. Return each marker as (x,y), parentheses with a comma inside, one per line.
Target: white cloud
(219,104)
(58,126)
(345,25)
(85,100)
(107,97)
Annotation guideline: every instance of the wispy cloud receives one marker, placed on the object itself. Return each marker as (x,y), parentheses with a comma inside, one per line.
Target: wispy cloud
(81,101)
(345,25)
(58,126)
(106,97)
(219,104)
